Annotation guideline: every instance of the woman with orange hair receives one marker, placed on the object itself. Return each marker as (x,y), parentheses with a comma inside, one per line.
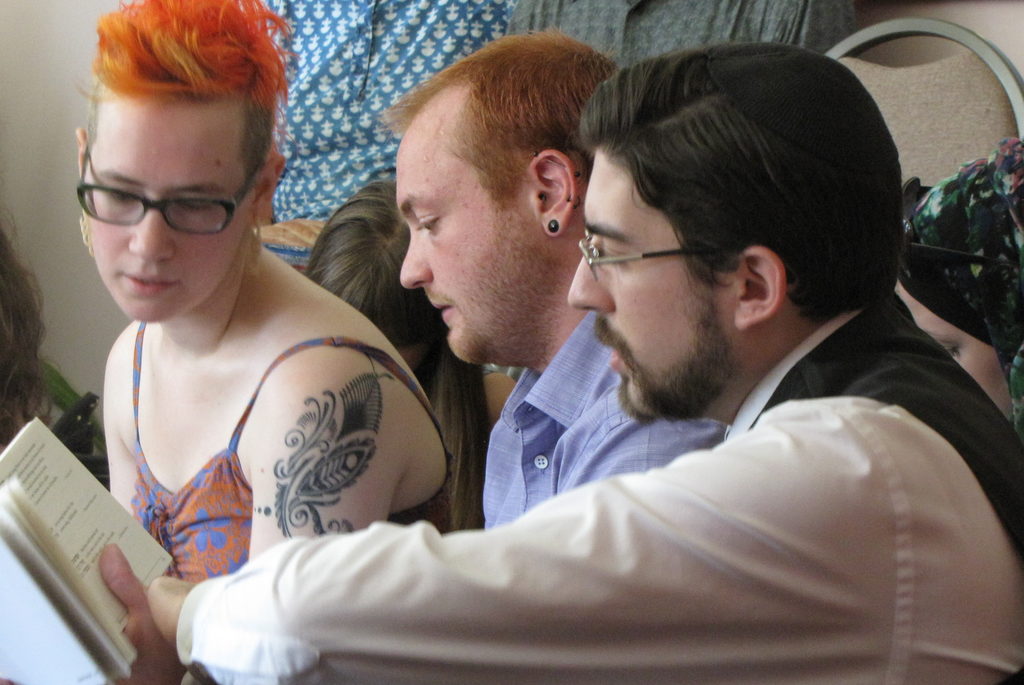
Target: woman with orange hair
(244,404)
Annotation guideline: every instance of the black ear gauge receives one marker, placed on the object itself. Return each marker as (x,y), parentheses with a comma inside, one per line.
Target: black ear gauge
(553,226)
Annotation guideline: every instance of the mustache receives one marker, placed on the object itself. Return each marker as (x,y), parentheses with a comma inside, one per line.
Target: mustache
(606,335)
(436,299)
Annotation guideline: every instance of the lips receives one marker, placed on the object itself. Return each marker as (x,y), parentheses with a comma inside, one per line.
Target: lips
(148,286)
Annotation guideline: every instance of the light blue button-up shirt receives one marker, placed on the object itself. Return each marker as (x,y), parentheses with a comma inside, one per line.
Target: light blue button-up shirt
(564,427)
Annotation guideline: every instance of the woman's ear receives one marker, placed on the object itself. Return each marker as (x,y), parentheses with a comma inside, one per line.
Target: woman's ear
(265,186)
(82,138)
(760,286)
(558,192)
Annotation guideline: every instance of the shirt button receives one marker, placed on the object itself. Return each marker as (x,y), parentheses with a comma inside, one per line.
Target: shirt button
(540,461)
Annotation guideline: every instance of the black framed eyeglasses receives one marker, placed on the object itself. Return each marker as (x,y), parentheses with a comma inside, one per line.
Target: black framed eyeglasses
(592,254)
(196,215)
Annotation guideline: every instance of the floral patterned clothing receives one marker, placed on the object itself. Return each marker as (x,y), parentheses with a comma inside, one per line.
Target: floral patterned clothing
(974,218)
(349,61)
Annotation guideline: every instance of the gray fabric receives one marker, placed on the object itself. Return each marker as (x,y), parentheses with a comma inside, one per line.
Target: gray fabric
(631,30)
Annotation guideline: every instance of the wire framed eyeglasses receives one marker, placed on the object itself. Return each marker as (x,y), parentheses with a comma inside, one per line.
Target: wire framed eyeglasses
(594,258)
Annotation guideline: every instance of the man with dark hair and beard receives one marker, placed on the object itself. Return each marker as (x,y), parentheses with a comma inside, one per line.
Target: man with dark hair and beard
(862,523)
(743,236)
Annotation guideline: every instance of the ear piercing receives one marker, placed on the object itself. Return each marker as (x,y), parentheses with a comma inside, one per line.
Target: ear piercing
(553,226)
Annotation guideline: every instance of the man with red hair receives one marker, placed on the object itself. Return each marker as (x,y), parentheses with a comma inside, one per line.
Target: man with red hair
(491,181)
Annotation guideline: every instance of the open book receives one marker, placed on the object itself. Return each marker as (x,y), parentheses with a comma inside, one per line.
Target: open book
(58,622)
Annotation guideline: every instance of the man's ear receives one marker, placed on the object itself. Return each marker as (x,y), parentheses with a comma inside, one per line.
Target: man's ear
(83,142)
(557,191)
(759,287)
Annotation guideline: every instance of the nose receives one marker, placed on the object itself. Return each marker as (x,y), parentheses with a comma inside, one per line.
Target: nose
(415,269)
(152,239)
(586,292)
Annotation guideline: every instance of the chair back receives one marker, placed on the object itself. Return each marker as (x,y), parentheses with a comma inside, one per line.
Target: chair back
(944,112)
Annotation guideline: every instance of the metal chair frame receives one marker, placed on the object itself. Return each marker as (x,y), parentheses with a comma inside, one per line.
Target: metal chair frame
(892,29)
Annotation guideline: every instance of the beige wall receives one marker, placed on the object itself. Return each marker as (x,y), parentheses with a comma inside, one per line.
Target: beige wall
(45,49)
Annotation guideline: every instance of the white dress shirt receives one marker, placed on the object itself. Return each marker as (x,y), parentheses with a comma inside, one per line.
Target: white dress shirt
(838,541)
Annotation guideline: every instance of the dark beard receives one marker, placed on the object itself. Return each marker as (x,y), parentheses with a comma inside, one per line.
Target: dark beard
(686,389)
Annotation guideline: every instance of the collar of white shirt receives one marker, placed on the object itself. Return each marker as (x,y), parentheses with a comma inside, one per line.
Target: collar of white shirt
(762,392)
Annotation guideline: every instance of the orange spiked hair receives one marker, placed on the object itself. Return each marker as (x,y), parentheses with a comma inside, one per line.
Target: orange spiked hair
(194,48)
(197,49)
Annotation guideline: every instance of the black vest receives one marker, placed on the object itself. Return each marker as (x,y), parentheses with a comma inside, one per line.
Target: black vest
(882,355)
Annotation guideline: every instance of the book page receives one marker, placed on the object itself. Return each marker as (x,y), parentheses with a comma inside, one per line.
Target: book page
(38,648)
(81,515)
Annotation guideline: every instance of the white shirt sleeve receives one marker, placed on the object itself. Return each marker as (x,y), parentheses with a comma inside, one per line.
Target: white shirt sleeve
(824,545)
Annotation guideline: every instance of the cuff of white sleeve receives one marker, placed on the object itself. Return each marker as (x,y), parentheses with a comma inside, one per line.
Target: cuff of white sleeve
(236,653)
(196,672)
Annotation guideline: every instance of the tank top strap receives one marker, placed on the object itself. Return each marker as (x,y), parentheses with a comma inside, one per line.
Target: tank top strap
(374,353)
(137,375)
(385,360)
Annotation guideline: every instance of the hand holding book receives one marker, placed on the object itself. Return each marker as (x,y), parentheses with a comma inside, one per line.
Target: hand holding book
(153,635)
(55,519)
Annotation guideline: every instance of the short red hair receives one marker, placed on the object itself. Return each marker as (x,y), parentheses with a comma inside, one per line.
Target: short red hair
(526,94)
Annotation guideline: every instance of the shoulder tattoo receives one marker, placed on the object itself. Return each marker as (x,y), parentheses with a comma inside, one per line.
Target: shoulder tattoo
(330,448)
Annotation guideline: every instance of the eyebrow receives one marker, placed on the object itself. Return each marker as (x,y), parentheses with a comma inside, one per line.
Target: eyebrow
(606,231)
(407,207)
(206,190)
(113,176)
